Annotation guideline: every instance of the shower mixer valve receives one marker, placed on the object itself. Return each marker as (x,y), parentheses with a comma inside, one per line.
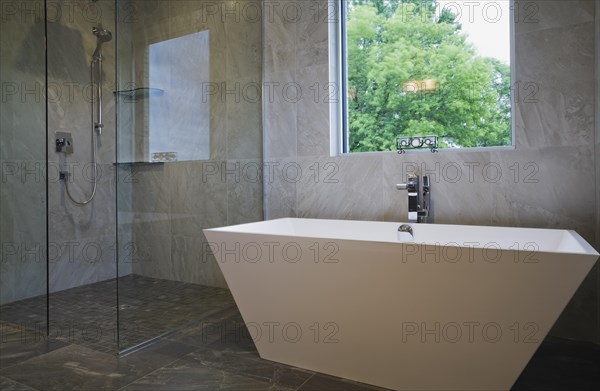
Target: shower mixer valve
(64,142)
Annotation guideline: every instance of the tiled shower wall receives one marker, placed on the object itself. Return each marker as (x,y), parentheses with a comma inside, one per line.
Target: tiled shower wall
(22,156)
(82,238)
(165,207)
(548,181)
(598,129)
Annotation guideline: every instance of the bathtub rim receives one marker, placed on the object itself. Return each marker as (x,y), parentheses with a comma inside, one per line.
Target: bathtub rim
(245,228)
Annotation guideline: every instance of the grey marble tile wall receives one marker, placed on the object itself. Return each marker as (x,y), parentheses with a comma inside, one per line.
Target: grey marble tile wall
(172,203)
(548,181)
(168,205)
(22,230)
(82,239)
(597,149)
(22,153)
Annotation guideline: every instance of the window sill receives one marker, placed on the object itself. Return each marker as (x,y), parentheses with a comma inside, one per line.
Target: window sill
(427,151)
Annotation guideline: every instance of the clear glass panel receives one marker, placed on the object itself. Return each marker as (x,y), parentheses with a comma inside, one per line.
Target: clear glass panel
(82,238)
(189,148)
(23,179)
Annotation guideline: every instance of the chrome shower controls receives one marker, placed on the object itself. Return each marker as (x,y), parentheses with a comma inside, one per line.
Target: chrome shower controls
(64,142)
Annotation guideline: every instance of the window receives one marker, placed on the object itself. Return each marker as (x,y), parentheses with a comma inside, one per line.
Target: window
(418,70)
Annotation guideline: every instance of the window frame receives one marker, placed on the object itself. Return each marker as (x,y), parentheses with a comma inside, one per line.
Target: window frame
(338,65)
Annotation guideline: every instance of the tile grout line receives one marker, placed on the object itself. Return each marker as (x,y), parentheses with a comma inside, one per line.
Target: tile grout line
(21,384)
(196,349)
(28,360)
(205,348)
(157,369)
(245,376)
(306,381)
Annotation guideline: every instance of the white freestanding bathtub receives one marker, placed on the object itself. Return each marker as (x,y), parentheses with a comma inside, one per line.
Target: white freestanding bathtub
(460,308)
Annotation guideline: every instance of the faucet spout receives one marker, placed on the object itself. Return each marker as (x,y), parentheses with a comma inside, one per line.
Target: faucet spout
(405,233)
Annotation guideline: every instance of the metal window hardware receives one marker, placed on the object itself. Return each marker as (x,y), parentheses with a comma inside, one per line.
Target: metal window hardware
(417,142)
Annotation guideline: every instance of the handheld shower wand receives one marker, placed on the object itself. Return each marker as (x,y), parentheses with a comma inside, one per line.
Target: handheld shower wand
(102,36)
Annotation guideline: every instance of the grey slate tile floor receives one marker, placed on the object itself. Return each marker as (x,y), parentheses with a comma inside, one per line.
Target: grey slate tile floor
(212,351)
(148,307)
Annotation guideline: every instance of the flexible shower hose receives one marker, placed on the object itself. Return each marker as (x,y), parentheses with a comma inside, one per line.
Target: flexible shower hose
(94,164)
(95,181)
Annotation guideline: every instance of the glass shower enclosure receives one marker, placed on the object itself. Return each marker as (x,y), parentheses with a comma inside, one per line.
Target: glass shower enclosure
(170,144)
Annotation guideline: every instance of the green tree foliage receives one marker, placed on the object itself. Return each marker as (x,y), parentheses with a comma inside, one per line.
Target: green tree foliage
(396,45)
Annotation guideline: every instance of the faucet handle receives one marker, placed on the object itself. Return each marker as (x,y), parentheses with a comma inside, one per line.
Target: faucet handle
(411,186)
(426,184)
